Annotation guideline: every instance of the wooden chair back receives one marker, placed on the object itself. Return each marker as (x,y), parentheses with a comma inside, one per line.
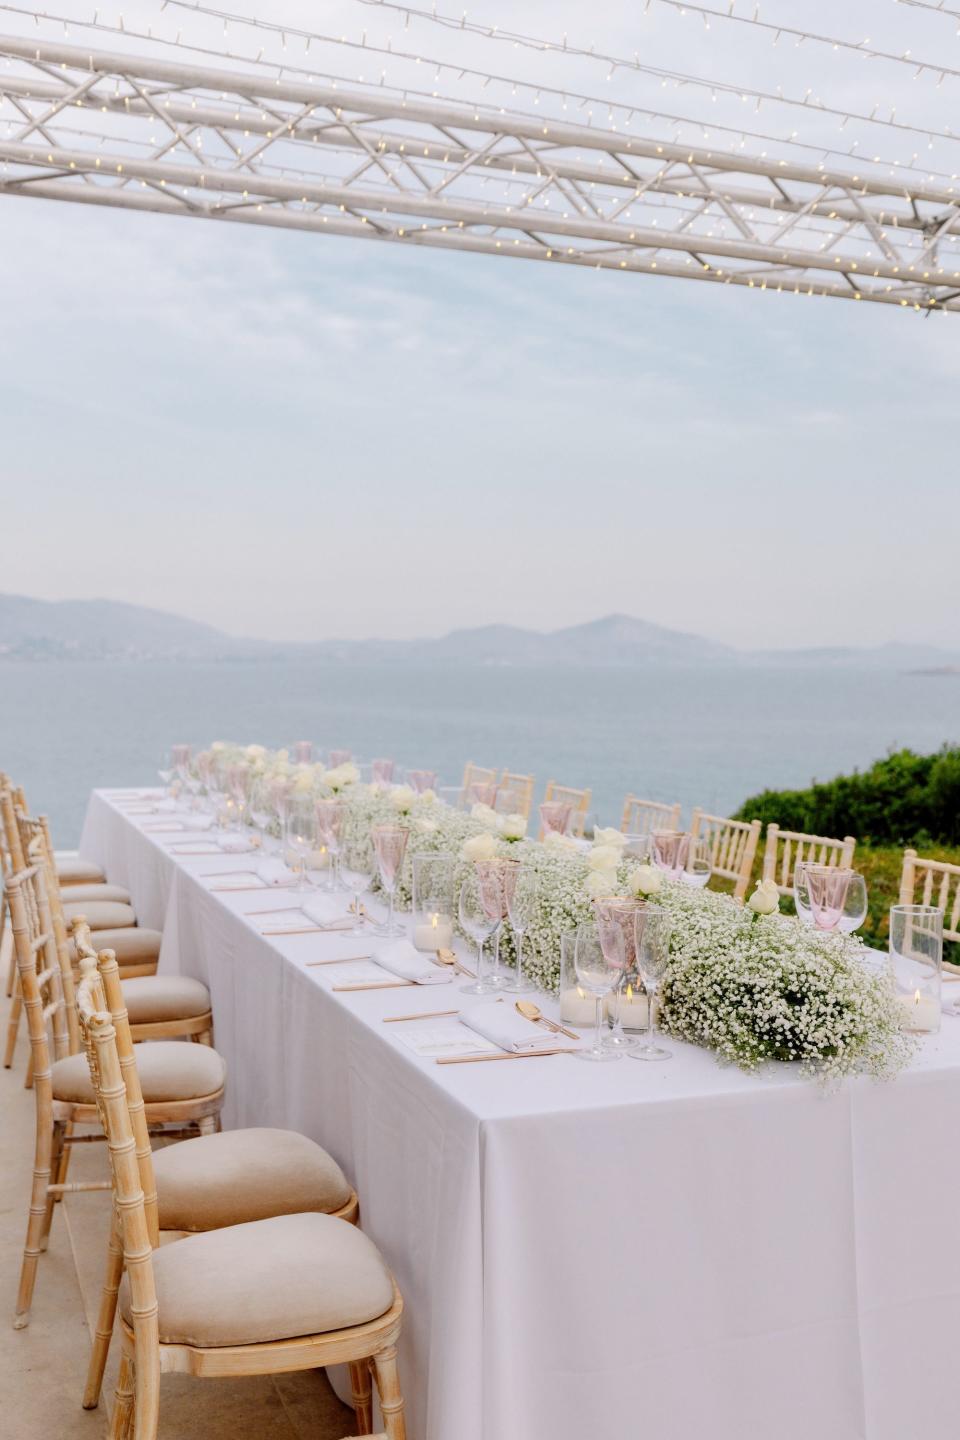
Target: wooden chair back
(579,799)
(732,843)
(786,849)
(41,979)
(939,885)
(515,794)
(35,839)
(640,817)
(14,853)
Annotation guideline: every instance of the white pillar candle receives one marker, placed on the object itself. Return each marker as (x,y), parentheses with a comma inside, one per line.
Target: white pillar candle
(634,1008)
(577,1007)
(919,1012)
(434,933)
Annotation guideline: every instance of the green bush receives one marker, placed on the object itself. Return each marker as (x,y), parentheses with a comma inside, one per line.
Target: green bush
(903,799)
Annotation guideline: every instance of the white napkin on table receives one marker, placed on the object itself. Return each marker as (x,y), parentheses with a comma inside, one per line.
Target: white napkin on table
(195,821)
(273,872)
(507,1028)
(236,844)
(401,958)
(329,911)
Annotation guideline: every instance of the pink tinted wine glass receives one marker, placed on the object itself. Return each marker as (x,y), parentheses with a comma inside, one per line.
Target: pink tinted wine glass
(827,887)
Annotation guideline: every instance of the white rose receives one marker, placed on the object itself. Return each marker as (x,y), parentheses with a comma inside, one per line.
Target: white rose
(428,795)
(603,857)
(479,847)
(486,815)
(402,797)
(303,783)
(607,835)
(557,841)
(765,899)
(646,880)
(513,827)
(601,882)
(341,776)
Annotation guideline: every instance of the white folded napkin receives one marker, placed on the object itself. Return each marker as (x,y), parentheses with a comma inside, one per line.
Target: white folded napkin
(329,911)
(197,821)
(507,1028)
(236,844)
(166,805)
(273,872)
(400,958)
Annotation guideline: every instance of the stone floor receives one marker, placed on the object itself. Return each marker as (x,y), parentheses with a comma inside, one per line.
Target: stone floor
(42,1368)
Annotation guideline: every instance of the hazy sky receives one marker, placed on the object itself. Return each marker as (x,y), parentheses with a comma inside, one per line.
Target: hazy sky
(293,436)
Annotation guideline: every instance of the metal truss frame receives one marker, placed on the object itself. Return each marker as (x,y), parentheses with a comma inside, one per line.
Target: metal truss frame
(249,146)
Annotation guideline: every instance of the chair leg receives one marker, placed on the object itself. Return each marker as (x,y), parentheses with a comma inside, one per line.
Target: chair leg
(56,1163)
(391,1399)
(360,1384)
(146,1386)
(13,1024)
(208,1125)
(120,1422)
(105,1319)
(38,1210)
(28,1076)
(65,1152)
(6,948)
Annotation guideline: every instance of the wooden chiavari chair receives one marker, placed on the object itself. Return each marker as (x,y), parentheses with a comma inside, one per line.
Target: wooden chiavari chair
(733,846)
(294,1292)
(207,1182)
(516,794)
(578,799)
(786,849)
(182,1083)
(936,878)
(642,817)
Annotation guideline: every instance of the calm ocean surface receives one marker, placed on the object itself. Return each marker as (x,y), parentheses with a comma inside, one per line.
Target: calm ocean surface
(707,737)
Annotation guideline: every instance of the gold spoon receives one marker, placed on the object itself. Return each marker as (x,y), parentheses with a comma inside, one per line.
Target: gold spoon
(529,1011)
(447,957)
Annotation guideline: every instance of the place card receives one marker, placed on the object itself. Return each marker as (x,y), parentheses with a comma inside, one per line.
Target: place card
(434,1038)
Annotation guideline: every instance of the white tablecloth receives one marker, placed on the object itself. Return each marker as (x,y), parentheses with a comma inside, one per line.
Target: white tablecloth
(674,1250)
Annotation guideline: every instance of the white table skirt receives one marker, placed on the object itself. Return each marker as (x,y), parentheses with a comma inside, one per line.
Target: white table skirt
(676,1250)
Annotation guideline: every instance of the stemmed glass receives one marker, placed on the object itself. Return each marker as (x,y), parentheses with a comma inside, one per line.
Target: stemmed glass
(670,850)
(827,887)
(801,895)
(262,813)
(555,816)
(302,838)
(598,974)
(698,866)
(520,892)
(855,905)
(615,927)
(390,846)
(652,936)
(481,911)
(330,814)
(358,865)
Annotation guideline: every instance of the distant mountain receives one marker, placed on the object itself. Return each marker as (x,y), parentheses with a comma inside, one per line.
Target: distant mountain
(107,630)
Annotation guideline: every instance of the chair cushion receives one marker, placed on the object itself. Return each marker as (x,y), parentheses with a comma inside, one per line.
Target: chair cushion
(132,946)
(76,893)
(71,870)
(168,1069)
(101,914)
(153,998)
(269,1280)
(241,1175)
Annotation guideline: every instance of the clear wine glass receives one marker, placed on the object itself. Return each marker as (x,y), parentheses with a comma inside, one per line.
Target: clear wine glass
(390,846)
(521,892)
(827,887)
(652,935)
(698,865)
(330,817)
(615,927)
(262,814)
(801,895)
(598,975)
(670,849)
(480,910)
(854,906)
(302,838)
(358,865)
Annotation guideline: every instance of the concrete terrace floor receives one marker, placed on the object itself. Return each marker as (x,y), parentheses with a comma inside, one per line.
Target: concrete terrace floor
(42,1368)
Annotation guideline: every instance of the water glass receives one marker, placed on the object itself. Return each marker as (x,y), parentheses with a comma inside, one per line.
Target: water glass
(301,835)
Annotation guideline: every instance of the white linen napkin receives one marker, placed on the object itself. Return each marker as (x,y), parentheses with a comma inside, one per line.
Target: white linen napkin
(195,821)
(400,958)
(273,872)
(236,844)
(507,1028)
(329,911)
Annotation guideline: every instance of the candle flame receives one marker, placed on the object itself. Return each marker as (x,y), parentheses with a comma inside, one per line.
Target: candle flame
(916,998)
(629,992)
(434,920)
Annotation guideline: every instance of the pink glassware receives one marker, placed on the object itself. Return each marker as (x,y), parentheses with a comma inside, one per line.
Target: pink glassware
(555,816)
(390,846)
(422,780)
(381,771)
(340,757)
(180,756)
(303,752)
(827,887)
(330,815)
(492,881)
(616,929)
(482,792)
(670,849)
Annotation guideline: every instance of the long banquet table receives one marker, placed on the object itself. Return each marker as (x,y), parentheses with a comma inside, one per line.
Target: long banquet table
(675,1250)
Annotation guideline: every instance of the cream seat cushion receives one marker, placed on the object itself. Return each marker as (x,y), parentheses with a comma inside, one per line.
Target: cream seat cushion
(132,946)
(101,914)
(168,1069)
(241,1175)
(269,1280)
(153,998)
(103,891)
(71,870)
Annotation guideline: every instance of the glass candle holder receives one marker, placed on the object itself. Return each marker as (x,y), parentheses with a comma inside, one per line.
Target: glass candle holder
(433,901)
(577,1006)
(916,963)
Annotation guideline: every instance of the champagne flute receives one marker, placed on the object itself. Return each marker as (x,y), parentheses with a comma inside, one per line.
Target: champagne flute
(358,867)
(599,975)
(652,936)
(521,894)
(330,817)
(390,846)
(480,910)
